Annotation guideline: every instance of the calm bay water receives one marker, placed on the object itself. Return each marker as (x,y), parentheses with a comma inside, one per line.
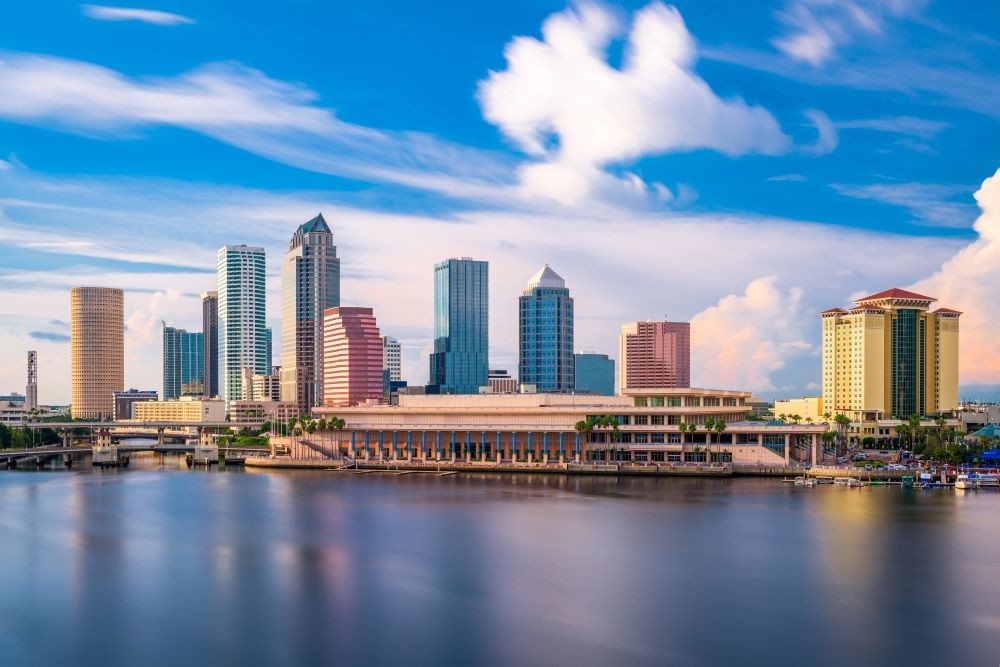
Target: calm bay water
(158,565)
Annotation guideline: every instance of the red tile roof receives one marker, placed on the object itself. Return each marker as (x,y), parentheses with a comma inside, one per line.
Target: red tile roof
(947,311)
(896,293)
(833,310)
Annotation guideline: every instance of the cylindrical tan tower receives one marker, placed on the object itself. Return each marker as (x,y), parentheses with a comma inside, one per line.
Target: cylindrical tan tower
(97,342)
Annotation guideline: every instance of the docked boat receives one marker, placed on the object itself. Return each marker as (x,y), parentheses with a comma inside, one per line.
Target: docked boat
(986,479)
(848,481)
(966,482)
(805,481)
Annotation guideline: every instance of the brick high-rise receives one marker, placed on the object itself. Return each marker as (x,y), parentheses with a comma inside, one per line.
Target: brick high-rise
(352,357)
(654,355)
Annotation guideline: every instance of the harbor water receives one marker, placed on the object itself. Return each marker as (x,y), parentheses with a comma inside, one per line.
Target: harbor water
(160,565)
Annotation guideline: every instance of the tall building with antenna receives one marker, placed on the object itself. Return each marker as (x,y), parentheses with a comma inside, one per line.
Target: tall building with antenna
(31,389)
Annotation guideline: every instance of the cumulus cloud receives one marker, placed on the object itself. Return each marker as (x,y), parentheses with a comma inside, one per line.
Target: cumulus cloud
(970,282)
(104,13)
(745,338)
(814,29)
(562,102)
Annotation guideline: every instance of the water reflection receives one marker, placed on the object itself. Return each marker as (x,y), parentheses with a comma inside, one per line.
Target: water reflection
(161,565)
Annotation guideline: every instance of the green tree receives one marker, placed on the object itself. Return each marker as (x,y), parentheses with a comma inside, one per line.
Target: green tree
(719,426)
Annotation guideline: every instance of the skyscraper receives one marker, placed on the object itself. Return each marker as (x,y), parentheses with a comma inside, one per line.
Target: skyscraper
(97,350)
(595,374)
(310,284)
(546,333)
(654,355)
(183,361)
(352,357)
(392,358)
(210,331)
(31,388)
(460,361)
(242,300)
(890,357)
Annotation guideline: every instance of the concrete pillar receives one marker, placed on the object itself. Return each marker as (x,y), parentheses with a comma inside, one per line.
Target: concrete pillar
(576,455)
(159,436)
(529,447)
(394,452)
(409,446)
(452,446)
(350,448)
(788,449)
(545,448)
(815,447)
(498,447)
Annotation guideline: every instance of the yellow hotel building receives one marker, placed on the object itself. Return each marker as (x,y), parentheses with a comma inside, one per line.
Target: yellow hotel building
(890,357)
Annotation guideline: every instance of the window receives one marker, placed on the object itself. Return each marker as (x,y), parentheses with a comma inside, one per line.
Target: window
(656,420)
(656,401)
(641,420)
(641,402)
(674,401)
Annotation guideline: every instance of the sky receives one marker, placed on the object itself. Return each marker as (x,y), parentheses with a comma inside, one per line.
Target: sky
(742,165)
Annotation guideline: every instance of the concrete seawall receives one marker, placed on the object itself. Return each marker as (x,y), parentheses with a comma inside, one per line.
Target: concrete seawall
(653,470)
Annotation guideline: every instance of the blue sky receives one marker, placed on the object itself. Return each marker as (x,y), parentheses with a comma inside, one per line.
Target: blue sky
(741,164)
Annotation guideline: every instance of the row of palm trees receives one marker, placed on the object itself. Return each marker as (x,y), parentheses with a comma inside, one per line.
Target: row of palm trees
(587,426)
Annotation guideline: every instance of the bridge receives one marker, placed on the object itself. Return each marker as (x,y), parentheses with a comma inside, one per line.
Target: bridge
(156,429)
(10,456)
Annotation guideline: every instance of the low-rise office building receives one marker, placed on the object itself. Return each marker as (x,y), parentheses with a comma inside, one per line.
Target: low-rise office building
(183,410)
(543,427)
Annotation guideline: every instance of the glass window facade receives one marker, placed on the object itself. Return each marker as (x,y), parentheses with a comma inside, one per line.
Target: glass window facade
(546,334)
(595,374)
(460,361)
(183,361)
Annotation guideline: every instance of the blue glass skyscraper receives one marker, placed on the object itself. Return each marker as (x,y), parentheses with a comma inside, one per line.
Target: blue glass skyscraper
(595,374)
(460,361)
(546,334)
(183,362)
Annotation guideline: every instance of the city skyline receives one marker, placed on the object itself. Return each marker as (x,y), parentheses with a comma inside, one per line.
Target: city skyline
(826,185)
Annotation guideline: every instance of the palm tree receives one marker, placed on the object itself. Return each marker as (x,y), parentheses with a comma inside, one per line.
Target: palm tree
(585,427)
(827,416)
(843,424)
(709,426)
(720,426)
(682,427)
(796,418)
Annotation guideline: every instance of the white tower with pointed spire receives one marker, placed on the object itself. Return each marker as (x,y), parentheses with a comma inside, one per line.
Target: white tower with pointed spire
(545,357)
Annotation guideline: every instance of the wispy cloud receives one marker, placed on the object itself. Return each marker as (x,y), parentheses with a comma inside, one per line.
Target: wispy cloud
(245,108)
(921,128)
(105,13)
(929,203)
(49,336)
(813,30)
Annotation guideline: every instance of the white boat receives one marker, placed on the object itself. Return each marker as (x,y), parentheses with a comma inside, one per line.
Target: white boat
(848,481)
(986,479)
(966,482)
(805,481)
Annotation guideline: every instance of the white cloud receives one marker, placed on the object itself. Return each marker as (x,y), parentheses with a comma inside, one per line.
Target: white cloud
(814,29)
(561,101)
(970,282)
(387,261)
(921,128)
(929,203)
(744,339)
(104,13)
(245,108)
(826,139)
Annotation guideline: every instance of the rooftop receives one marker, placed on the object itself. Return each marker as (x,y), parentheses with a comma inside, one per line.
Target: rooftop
(546,277)
(896,293)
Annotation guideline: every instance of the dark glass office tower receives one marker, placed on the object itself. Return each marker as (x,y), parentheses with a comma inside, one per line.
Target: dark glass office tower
(460,361)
